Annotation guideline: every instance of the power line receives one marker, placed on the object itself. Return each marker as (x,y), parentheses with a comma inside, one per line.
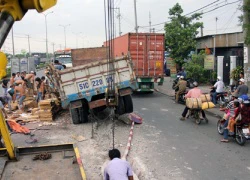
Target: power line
(196,11)
(221,6)
(202,8)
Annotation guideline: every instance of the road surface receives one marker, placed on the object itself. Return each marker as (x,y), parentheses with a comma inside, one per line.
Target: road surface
(181,149)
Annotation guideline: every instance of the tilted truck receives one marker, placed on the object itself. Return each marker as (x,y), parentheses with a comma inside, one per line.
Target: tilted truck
(147,53)
(82,88)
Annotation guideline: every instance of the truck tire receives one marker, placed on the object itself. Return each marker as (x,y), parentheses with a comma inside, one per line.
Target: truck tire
(120,109)
(128,104)
(84,112)
(75,116)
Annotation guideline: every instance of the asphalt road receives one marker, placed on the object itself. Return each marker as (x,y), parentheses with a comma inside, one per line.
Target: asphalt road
(183,150)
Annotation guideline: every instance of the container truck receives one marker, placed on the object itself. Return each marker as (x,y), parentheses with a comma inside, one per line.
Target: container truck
(83,56)
(147,54)
(83,88)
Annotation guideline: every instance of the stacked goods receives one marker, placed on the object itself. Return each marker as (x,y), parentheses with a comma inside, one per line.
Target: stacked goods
(205,98)
(48,108)
(194,103)
(206,101)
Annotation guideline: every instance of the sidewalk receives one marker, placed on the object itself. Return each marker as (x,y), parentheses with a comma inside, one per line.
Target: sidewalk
(166,89)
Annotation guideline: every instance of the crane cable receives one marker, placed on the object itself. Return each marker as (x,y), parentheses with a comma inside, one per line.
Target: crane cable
(109,33)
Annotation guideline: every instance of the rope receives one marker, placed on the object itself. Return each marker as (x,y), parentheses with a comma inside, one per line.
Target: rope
(129,142)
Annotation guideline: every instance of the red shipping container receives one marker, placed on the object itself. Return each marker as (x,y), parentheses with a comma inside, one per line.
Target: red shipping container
(146,51)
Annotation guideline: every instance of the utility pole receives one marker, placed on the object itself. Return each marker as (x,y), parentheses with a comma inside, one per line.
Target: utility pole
(64,27)
(13,46)
(216,19)
(246,22)
(150,22)
(29,43)
(53,44)
(136,26)
(119,19)
(46,28)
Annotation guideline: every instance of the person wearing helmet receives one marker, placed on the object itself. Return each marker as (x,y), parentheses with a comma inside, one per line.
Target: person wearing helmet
(193,93)
(219,86)
(242,89)
(244,110)
(180,87)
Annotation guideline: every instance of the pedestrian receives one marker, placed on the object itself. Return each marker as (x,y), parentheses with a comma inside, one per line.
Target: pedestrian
(40,89)
(58,65)
(117,169)
(45,83)
(12,79)
(18,76)
(30,80)
(193,93)
(219,85)
(21,90)
(242,89)
(5,85)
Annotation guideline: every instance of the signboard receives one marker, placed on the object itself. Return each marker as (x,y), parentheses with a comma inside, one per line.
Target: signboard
(209,62)
(172,66)
(245,55)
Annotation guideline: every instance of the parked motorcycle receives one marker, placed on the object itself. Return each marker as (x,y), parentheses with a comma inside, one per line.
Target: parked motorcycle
(241,132)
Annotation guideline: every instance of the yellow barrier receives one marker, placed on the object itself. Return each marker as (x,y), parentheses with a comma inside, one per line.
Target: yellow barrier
(3,64)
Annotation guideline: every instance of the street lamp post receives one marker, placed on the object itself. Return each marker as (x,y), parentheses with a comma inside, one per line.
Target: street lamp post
(45,16)
(64,27)
(77,37)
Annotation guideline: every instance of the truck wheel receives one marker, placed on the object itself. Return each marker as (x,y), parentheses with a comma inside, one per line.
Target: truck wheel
(128,104)
(84,113)
(120,109)
(75,116)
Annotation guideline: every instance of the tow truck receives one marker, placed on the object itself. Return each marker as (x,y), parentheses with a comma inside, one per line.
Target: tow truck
(12,157)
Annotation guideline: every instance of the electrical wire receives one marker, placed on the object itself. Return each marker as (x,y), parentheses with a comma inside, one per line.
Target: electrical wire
(196,11)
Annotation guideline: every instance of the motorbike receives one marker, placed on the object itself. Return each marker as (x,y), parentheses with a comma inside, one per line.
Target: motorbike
(195,114)
(189,82)
(222,98)
(181,99)
(241,131)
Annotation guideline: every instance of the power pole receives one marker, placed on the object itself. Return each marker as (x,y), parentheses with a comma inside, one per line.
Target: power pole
(246,3)
(13,46)
(53,44)
(149,22)
(29,43)
(136,26)
(216,19)
(119,19)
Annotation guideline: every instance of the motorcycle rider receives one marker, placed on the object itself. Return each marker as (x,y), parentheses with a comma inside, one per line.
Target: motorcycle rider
(219,85)
(245,118)
(181,85)
(242,89)
(193,93)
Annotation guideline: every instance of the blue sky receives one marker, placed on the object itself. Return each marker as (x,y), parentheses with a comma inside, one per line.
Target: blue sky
(86,19)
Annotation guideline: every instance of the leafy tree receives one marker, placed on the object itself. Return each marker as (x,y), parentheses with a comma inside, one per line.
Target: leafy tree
(180,34)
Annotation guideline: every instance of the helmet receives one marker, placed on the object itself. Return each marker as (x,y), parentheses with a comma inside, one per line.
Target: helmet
(219,78)
(195,84)
(242,80)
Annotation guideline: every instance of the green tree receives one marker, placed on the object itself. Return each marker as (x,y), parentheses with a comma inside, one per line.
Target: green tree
(195,67)
(180,34)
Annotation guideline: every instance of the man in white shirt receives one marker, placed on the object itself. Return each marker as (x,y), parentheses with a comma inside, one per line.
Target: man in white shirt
(219,85)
